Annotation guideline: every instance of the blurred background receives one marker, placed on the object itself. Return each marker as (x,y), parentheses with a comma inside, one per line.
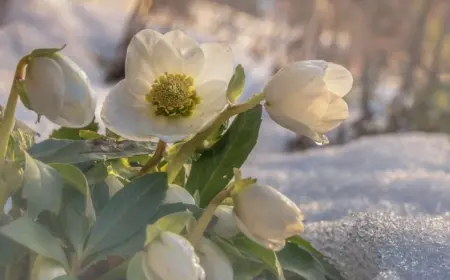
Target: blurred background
(397,50)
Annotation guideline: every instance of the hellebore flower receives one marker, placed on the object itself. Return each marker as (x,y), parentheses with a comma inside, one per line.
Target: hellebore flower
(171,257)
(58,89)
(214,261)
(226,226)
(173,87)
(177,194)
(306,97)
(267,216)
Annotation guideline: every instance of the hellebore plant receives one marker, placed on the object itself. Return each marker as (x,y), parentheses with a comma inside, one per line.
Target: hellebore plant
(160,196)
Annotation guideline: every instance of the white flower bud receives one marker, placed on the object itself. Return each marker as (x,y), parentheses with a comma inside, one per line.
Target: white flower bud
(226,226)
(306,97)
(267,216)
(177,194)
(59,90)
(46,269)
(171,257)
(214,261)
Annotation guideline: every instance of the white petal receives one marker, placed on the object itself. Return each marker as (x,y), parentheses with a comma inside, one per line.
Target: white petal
(78,107)
(215,262)
(177,194)
(275,245)
(45,87)
(190,52)
(292,81)
(138,63)
(226,225)
(218,63)
(127,114)
(338,79)
(165,59)
(337,112)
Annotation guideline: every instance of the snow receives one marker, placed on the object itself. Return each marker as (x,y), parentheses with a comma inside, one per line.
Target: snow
(400,183)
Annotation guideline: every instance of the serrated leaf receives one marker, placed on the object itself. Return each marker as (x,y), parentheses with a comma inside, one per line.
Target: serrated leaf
(236,84)
(36,238)
(174,222)
(42,187)
(127,212)
(135,271)
(214,169)
(78,151)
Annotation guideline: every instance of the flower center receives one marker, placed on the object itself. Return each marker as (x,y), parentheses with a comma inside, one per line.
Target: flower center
(173,95)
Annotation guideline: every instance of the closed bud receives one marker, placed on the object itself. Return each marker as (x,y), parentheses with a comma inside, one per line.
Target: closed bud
(306,97)
(46,269)
(226,226)
(171,257)
(59,90)
(177,194)
(267,216)
(214,261)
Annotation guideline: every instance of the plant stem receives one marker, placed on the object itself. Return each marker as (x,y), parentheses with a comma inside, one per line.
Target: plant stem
(8,119)
(155,159)
(202,223)
(189,147)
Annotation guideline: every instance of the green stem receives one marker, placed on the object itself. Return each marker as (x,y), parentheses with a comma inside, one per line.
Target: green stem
(202,223)
(155,159)
(189,147)
(8,119)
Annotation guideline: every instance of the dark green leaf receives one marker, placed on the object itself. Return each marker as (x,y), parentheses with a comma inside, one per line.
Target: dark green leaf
(236,84)
(127,212)
(214,169)
(10,250)
(74,133)
(78,151)
(36,238)
(89,135)
(42,187)
(65,277)
(135,271)
(298,261)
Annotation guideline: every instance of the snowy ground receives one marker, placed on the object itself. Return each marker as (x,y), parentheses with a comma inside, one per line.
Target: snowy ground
(399,184)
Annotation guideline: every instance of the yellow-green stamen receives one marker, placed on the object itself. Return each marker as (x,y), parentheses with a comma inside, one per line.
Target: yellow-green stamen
(173,95)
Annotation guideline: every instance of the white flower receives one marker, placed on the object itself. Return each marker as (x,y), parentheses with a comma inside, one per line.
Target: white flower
(306,97)
(214,261)
(59,90)
(45,269)
(173,87)
(171,257)
(266,216)
(177,194)
(226,226)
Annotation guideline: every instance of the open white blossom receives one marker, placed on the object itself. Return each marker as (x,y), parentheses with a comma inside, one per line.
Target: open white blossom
(177,194)
(267,216)
(173,87)
(214,261)
(171,257)
(59,89)
(226,226)
(306,97)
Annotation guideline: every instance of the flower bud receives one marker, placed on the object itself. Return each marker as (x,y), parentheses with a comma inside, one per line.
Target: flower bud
(177,194)
(267,216)
(306,97)
(59,90)
(226,226)
(46,269)
(214,261)
(172,257)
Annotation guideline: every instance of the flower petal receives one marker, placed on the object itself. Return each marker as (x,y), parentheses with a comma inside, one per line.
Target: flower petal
(138,63)
(188,50)
(293,79)
(218,63)
(45,87)
(338,79)
(337,112)
(165,59)
(275,245)
(78,107)
(127,114)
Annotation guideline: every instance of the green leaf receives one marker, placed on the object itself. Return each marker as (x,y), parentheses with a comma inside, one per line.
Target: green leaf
(214,169)
(11,179)
(78,151)
(10,250)
(76,224)
(236,84)
(42,187)
(89,135)
(74,133)
(180,180)
(65,277)
(174,222)
(308,262)
(127,212)
(268,257)
(36,238)
(135,271)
